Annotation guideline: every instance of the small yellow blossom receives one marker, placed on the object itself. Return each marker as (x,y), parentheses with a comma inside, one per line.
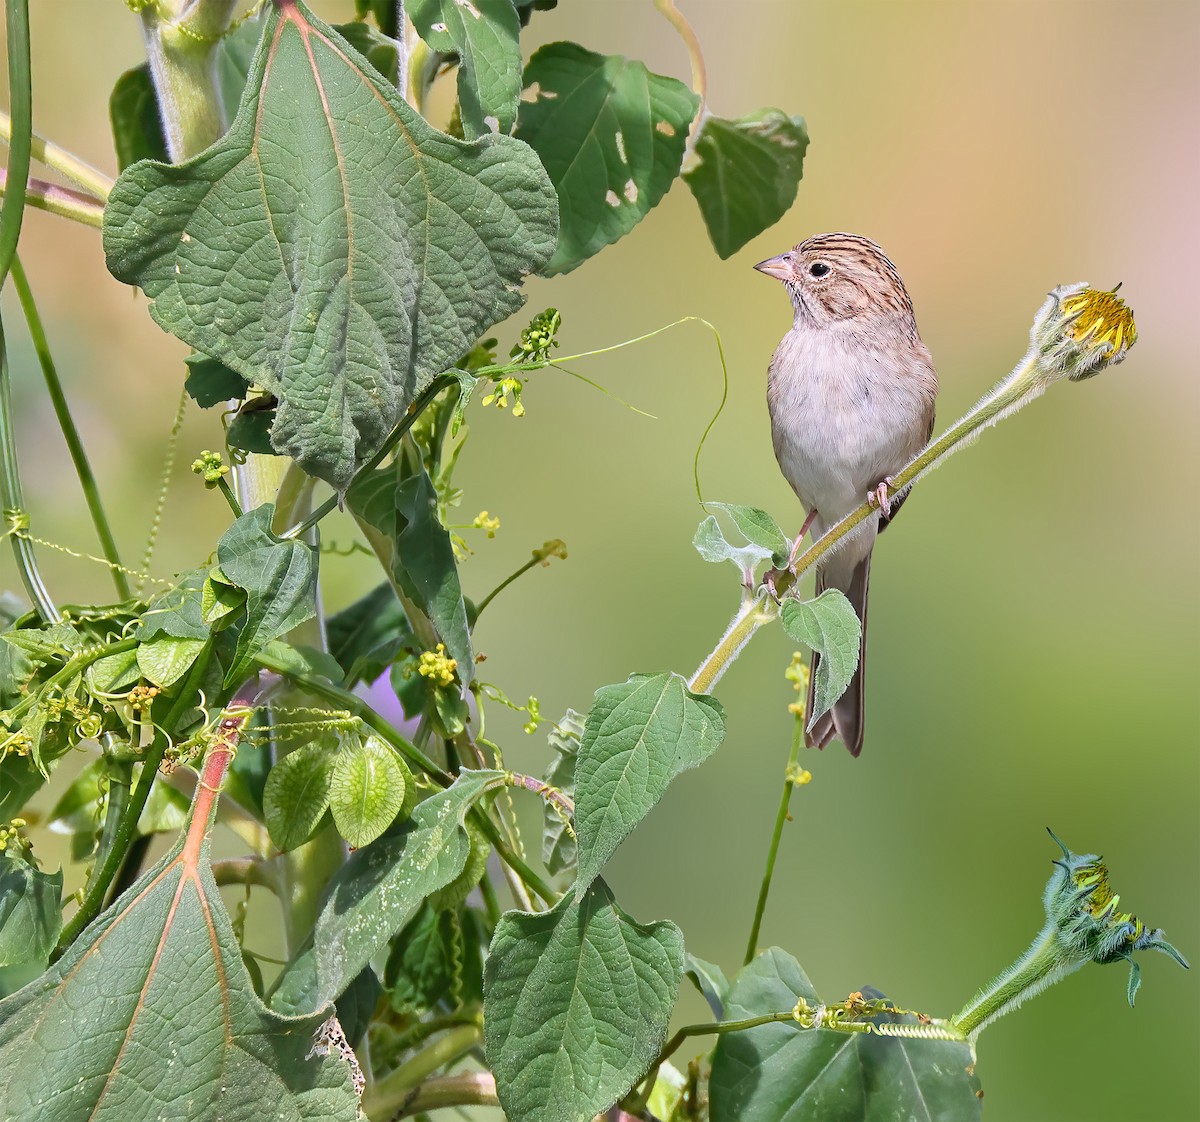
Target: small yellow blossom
(435,666)
(211,467)
(483,522)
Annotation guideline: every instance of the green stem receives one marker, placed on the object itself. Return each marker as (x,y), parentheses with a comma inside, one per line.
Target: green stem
(62,411)
(12,496)
(755,612)
(781,817)
(20,100)
(229,497)
(391,1093)
(716,1027)
(1012,393)
(245,870)
(1036,969)
(104,871)
(79,172)
(695,56)
(474,1088)
(182,57)
(533,561)
(60,200)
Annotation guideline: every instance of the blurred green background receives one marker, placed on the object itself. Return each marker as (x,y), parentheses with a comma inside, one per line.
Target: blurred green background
(1034,615)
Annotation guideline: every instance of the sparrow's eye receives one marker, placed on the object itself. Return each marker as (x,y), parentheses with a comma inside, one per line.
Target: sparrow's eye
(818,269)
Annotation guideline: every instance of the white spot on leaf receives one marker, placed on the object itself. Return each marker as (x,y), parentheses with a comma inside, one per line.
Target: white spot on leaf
(631,191)
(493,123)
(665,127)
(469,7)
(620,139)
(612,198)
(440,28)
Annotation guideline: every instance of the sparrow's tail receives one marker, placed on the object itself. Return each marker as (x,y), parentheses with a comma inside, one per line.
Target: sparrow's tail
(845,719)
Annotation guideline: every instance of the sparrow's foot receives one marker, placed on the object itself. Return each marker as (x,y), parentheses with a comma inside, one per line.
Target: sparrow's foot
(880,498)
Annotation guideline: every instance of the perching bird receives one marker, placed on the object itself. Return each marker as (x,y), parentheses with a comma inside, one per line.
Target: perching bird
(851,392)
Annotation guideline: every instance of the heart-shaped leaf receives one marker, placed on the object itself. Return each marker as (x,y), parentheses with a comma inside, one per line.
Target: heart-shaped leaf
(829,626)
(151,1014)
(746,174)
(611,135)
(784,1073)
(576,1006)
(332,247)
(638,736)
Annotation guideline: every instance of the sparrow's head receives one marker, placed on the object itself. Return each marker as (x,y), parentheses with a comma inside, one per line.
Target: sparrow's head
(837,277)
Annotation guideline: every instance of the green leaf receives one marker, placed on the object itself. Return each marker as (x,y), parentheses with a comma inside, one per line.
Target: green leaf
(784,1073)
(165,660)
(297,793)
(173,1027)
(637,738)
(376,47)
(19,779)
(114,673)
(384,12)
(576,1006)
(710,980)
(400,518)
(367,636)
(757,527)
(251,427)
(30,912)
(711,544)
(558,842)
(830,626)
(610,134)
(332,248)
(380,889)
(278,576)
(746,175)
(219,599)
(136,124)
(210,382)
(483,35)
(366,791)
(178,611)
(425,963)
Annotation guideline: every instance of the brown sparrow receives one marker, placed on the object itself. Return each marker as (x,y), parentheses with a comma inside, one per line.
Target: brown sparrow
(851,393)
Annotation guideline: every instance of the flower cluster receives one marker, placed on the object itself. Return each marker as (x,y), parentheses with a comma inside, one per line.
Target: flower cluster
(211,466)
(435,666)
(539,338)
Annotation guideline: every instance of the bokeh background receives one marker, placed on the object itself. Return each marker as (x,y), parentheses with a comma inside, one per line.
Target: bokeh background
(1034,649)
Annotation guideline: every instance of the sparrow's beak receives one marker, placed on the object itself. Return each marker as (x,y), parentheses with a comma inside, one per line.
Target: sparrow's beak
(779,267)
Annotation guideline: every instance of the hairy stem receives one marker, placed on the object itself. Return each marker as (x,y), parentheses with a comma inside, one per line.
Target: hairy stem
(1012,393)
(59,200)
(475,1088)
(391,1094)
(695,55)
(83,469)
(781,817)
(93,181)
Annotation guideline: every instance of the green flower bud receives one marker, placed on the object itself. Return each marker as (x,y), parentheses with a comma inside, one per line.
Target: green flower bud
(1083,924)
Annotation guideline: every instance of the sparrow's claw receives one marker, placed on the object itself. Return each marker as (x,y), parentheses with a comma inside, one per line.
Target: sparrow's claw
(880,498)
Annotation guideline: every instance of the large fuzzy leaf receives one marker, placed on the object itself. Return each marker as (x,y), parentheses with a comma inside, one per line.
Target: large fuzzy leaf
(151,1014)
(332,247)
